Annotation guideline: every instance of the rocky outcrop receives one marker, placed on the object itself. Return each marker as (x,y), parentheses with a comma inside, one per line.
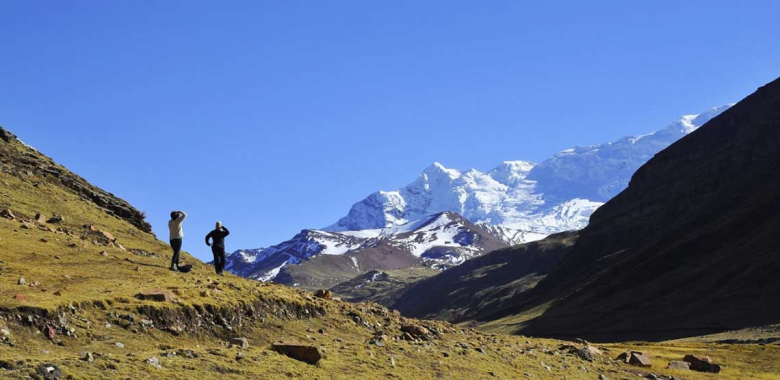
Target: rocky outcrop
(28,164)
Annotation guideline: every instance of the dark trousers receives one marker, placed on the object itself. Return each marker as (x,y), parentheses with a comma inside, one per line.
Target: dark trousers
(219,258)
(176,245)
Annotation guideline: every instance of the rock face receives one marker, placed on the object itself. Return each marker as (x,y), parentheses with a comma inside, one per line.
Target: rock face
(27,163)
(298,351)
(701,364)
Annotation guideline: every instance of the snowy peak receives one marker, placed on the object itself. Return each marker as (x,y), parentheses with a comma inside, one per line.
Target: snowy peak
(437,171)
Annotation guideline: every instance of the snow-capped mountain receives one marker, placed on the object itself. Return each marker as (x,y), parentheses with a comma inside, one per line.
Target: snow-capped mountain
(442,239)
(516,202)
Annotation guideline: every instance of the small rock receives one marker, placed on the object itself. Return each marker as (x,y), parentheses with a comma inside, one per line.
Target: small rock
(103,253)
(240,342)
(39,218)
(87,356)
(324,294)
(154,362)
(602,377)
(119,344)
(392,362)
(239,356)
(56,219)
(22,281)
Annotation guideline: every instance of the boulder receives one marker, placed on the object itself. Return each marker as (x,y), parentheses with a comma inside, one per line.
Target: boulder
(640,360)
(56,219)
(298,351)
(701,364)
(39,218)
(240,342)
(156,295)
(324,294)
(679,365)
(415,331)
(636,358)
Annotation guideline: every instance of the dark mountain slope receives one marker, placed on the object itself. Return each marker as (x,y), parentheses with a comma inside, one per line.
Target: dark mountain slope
(691,247)
(487,283)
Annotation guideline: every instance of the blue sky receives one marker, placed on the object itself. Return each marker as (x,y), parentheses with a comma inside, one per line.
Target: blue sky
(274,116)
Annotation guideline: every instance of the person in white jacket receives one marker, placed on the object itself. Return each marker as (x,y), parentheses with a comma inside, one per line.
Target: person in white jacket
(174,225)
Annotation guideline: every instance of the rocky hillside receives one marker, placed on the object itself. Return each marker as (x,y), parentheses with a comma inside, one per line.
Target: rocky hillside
(690,247)
(22,161)
(320,259)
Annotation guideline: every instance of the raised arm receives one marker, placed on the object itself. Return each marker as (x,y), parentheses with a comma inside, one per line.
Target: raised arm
(182,215)
(226,231)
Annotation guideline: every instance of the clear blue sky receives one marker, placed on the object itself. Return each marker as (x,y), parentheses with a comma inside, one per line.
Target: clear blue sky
(274,116)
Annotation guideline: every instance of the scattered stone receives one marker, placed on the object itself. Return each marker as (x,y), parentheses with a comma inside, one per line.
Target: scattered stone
(156,295)
(22,281)
(44,240)
(87,356)
(48,371)
(26,226)
(480,350)
(49,332)
(679,365)
(6,213)
(298,351)
(392,362)
(39,218)
(324,294)
(240,342)
(56,219)
(701,364)
(154,362)
(602,377)
(103,253)
(239,356)
(119,344)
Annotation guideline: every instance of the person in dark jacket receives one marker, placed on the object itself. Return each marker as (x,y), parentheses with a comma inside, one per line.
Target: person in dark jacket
(218,246)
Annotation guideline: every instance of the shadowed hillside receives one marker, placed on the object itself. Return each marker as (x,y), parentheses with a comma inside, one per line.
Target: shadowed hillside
(690,248)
